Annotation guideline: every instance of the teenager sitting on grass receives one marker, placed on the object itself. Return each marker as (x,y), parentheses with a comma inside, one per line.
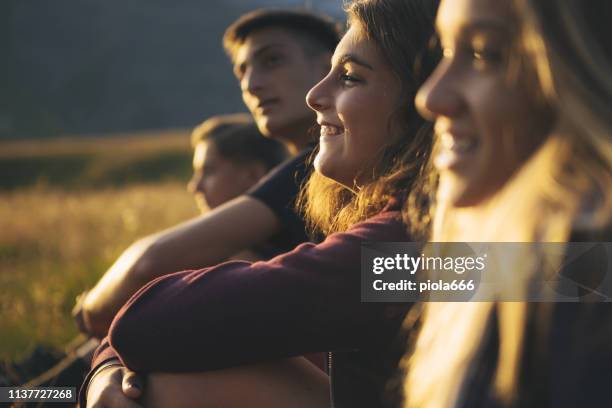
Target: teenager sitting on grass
(230,156)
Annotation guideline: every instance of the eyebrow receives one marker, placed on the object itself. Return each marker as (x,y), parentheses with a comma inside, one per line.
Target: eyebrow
(350,58)
(480,25)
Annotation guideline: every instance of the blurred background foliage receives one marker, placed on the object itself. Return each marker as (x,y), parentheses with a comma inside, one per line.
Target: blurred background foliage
(68,208)
(94,162)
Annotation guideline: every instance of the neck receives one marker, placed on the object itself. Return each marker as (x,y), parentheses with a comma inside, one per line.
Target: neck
(298,137)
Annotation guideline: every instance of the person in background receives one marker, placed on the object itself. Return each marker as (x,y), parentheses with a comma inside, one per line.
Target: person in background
(277,56)
(230,156)
(521,103)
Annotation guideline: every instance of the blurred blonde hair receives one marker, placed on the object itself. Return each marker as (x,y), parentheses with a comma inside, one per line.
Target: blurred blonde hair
(565,186)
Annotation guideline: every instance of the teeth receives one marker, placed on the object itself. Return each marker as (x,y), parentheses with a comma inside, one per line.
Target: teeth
(449,142)
(327,130)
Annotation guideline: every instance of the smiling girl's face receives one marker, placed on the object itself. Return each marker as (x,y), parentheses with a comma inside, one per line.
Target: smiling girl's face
(354,104)
(486,125)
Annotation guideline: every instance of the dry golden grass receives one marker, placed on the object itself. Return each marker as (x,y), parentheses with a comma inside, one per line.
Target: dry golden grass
(54,244)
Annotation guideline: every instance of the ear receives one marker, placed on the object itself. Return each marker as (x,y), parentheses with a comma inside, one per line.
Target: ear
(254,171)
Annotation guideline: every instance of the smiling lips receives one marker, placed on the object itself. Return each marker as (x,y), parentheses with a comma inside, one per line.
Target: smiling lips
(455,150)
(459,145)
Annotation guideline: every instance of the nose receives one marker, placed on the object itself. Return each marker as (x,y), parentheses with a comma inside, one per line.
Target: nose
(441,94)
(252,80)
(195,183)
(319,98)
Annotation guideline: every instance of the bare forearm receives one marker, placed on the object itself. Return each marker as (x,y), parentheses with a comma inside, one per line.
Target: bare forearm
(203,241)
(114,288)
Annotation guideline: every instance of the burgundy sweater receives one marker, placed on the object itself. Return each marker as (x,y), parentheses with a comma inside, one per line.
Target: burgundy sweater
(236,313)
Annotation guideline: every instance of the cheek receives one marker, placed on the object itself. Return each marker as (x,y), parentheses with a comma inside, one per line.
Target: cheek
(358,115)
(288,76)
(208,185)
(489,105)
(369,129)
(501,118)
(506,122)
(232,181)
(215,190)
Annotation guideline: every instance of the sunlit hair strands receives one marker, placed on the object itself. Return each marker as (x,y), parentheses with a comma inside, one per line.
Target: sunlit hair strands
(562,192)
(402,31)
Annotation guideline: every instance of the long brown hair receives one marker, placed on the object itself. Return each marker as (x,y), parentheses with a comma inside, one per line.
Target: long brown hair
(401,30)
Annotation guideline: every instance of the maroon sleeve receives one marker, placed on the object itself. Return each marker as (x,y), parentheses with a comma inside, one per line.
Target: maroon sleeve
(303,301)
(103,354)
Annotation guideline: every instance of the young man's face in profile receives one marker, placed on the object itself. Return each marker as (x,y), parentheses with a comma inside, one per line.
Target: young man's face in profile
(275,73)
(217,179)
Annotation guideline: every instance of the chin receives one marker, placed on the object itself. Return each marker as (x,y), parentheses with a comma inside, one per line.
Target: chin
(464,201)
(320,166)
(263,127)
(463,196)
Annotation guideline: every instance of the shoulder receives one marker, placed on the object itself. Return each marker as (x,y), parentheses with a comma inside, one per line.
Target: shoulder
(384,226)
(290,171)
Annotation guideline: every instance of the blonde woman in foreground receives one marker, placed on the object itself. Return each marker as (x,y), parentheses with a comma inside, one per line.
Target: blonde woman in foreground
(521,103)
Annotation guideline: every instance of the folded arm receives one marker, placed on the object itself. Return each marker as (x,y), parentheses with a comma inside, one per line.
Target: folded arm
(237,313)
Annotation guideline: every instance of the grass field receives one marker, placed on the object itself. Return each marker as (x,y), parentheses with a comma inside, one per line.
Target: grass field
(61,228)
(94,162)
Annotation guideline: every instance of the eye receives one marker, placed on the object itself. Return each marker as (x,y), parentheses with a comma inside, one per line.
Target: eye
(486,58)
(272,60)
(349,79)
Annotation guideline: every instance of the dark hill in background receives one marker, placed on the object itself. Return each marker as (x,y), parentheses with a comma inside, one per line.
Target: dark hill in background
(91,66)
